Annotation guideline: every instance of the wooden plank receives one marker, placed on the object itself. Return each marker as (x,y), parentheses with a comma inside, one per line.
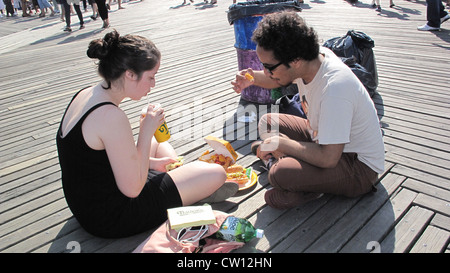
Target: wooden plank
(441,221)
(31,236)
(431,179)
(343,230)
(432,203)
(427,189)
(433,240)
(312,229)
(403,236)
(381,223)
(419,165)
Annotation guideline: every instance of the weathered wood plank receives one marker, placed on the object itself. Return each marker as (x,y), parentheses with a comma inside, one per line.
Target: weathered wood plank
(433,240)
(403,236)
(342,231)
(432,203)
(381,223)
(427,189)
(441,221)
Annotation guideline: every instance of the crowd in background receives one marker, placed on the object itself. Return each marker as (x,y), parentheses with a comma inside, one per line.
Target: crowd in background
(62,8)
(436,13)
(12,8)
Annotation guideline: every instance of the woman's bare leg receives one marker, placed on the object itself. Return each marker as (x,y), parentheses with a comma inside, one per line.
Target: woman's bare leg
(197,180)
(164,149)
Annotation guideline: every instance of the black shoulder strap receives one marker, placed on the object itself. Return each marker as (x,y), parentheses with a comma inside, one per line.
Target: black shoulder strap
(92,109)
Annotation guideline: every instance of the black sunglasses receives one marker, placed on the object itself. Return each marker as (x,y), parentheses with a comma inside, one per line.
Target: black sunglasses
(271,68)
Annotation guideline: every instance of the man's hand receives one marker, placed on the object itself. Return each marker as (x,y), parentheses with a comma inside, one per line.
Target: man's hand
(241,82)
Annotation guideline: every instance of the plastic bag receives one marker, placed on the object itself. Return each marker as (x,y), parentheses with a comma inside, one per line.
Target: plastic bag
(251,8)
(357,45)
(166,240)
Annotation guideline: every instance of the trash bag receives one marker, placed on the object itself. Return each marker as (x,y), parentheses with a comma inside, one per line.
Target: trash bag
(358,46)
(251,8)
(363,75)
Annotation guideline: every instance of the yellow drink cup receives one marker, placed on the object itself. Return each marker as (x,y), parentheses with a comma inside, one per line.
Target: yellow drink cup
(162,133)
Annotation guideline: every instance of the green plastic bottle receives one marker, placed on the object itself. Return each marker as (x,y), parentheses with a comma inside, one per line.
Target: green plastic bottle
(235,229)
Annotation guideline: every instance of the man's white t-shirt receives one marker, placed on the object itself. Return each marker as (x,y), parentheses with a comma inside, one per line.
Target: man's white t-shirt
(340,110)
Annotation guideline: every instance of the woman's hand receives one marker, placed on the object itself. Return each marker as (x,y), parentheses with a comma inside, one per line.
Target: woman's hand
(152,118)
(241,82)
(159,164)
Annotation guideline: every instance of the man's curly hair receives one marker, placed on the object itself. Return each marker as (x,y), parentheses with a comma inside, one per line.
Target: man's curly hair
(288,36)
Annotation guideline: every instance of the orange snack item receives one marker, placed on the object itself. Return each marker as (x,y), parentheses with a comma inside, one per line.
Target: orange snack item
(223,155)
(249,77)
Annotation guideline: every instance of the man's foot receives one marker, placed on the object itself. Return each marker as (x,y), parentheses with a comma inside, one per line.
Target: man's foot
(68,29)
(280,199)
(426,27)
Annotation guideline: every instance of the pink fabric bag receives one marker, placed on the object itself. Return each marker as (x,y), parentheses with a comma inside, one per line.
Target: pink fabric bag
(164,240)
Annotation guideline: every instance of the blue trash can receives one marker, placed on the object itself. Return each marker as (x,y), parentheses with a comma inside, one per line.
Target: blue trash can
(243,31)
(245,18)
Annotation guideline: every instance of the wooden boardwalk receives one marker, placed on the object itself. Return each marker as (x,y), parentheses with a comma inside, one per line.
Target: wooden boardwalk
(41,67)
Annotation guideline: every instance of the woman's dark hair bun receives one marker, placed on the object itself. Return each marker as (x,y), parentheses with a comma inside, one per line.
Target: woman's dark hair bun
(100,48)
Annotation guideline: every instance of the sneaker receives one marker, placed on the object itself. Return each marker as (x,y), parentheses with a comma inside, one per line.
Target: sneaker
(426,27)
(81,26)
(68,29)
(378,8)
(445,18)
(280,199)
(224,192)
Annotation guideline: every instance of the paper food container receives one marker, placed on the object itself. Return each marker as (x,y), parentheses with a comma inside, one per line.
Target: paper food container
(221,147)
